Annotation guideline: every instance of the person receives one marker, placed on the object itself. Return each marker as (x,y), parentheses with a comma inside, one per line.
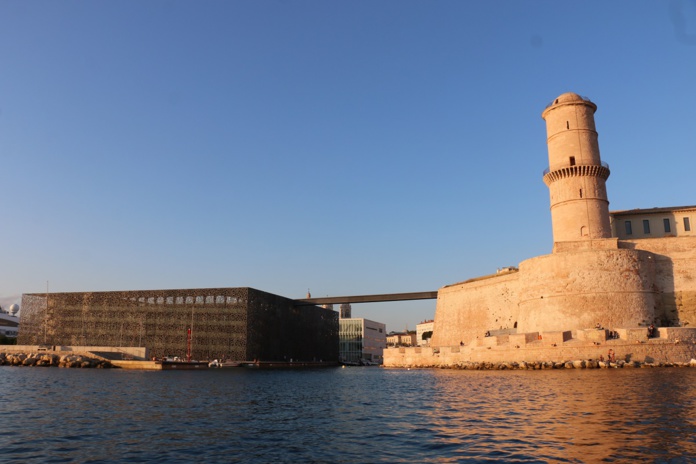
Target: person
(488,333)
(651,331)
(601,358)
(611,356)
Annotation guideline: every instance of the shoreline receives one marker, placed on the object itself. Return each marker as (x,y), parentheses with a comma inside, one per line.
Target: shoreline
(53,359)
(549,365)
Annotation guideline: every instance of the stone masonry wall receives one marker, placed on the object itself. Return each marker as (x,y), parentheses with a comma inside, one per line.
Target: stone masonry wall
(671,345)
(467,310)
(675,277)
(578,289)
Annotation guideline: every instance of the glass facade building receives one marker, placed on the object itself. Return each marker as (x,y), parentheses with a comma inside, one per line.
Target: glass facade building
(361,341)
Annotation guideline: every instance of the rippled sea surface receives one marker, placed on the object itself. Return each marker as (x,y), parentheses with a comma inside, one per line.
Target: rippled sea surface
(347,415)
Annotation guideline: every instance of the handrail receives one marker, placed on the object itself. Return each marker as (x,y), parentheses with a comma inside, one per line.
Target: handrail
(557,167)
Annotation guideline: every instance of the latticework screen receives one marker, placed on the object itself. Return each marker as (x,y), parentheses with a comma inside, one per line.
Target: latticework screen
(226,323)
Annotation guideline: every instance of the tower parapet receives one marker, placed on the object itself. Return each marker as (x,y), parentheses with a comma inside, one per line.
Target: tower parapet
(576,176)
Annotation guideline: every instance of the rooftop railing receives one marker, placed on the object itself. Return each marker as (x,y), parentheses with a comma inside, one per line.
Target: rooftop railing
(557,167)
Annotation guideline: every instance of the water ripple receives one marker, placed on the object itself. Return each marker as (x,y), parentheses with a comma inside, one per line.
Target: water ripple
(347,415)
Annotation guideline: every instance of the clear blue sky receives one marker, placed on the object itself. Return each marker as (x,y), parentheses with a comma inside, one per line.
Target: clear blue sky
(346,147)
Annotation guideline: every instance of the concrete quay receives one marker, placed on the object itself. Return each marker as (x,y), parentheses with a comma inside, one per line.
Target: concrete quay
(671,345)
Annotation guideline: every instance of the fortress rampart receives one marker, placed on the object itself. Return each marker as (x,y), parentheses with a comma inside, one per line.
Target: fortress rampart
(578,289)
(674,344)
(674,277)
(467,310)
(543,311)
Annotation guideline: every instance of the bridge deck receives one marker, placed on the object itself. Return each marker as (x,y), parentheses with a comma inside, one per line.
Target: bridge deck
(367,298)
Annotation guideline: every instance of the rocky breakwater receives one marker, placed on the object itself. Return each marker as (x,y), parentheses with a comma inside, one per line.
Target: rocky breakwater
(577,364)
(53,360)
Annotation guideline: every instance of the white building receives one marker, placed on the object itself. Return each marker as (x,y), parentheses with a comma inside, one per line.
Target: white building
(425,327)
(361,340)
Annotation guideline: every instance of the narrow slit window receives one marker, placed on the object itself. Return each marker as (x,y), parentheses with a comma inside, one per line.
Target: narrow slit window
(572,161)
(567,125)
(646,226)
(687,224)
(668,227)
(580,193)
(629,229)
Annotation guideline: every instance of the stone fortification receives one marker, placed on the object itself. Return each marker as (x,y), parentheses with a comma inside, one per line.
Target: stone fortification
(576,176)
(578,289)
(467,310)
(543,311)
(672,345)
(674,278)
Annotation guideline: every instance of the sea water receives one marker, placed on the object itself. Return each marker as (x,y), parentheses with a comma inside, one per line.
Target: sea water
(352,415)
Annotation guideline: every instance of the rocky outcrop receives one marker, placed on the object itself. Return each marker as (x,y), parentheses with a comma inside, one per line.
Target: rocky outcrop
(53,360)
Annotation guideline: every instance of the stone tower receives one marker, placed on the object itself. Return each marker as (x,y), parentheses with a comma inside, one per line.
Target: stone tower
(576,176)
(345,312)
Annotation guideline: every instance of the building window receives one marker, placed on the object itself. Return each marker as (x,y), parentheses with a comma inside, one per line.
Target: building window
(572,161)
(687,224)
(629,229)
(668,228)
(646,226)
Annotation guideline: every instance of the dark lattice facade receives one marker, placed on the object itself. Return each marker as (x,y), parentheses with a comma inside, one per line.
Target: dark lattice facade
(231,323)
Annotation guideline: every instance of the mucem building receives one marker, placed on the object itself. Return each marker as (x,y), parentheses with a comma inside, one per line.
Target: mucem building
(241,324)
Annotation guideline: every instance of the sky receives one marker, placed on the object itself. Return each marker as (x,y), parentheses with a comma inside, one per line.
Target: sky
(345,148)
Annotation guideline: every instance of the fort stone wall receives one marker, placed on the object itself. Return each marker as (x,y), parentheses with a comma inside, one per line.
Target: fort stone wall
(578,289)
(468,309)
(548,310)
(674,278)
(672,344)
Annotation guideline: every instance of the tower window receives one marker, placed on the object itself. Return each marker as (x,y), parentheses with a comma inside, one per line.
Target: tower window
(572,161)
(567,125)
(687,224)
(646,226)
(629,229)
(580,193)
(668,228)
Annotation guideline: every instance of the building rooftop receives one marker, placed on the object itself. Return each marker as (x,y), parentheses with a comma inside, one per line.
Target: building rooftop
(656,210)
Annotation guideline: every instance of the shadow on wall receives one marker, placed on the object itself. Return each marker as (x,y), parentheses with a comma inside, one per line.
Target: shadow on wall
(667,313)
